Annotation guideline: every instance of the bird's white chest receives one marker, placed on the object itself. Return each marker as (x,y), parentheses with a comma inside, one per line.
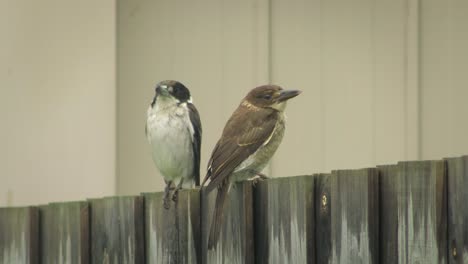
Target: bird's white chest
(170,135)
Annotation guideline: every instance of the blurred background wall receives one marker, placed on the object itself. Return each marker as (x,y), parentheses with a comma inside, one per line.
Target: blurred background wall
(382,81)
(57,100)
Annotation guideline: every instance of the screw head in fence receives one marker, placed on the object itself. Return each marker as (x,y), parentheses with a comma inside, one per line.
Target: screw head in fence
(324,203)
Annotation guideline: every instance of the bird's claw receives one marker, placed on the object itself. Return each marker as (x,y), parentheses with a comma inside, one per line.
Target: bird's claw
(255,181)
(262,176)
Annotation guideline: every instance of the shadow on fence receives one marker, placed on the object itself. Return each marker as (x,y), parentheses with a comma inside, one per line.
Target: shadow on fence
(412,212)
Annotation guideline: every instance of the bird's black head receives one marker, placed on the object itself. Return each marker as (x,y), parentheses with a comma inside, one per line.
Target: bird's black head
(270,96)
(173,88)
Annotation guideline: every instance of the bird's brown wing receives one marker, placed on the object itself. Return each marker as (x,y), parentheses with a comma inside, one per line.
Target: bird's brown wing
(244,133)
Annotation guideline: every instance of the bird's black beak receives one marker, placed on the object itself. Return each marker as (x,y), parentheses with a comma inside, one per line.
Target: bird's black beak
(158,89)
(161,90)
(288,94)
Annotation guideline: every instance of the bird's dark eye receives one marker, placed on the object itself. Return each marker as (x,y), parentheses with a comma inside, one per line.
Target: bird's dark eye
(267,96)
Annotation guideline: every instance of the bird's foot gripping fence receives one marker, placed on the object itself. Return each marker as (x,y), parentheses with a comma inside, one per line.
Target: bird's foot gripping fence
(411,212)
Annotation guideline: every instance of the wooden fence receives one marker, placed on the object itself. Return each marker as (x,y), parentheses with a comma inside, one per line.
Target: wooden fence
(412,212)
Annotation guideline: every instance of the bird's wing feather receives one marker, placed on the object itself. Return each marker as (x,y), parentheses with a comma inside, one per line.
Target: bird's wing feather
(196,141)
(244,133)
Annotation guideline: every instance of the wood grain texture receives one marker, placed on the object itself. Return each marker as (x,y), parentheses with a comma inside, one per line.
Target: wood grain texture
(19,235)
(236,243)
(64,233)
(322,218)
(349,212)
(117,230)
(388,215)
(173,236)
(414,212)
(285,220)
(457,178)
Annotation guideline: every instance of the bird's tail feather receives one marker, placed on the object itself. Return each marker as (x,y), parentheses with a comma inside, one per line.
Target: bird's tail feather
(217,221)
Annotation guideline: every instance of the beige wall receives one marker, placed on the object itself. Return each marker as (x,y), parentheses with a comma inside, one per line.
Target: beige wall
(349,59)
(383,81)
(214,47)
(57,100)
(444,78)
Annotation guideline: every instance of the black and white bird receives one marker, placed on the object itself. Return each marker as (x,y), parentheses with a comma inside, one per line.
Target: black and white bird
(174,131)
(249,140)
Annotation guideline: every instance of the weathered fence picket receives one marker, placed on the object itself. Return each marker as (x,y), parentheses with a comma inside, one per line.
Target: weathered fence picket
(117,230)
(414,213)
(173,235)
(411,212)
(64,233)
(285,220)
(457,173)
(322,218)
(349,212)
(236,243)
(19,236)
(388,215)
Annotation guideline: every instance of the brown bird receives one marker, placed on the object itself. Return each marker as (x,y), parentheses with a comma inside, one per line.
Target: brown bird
(249,140)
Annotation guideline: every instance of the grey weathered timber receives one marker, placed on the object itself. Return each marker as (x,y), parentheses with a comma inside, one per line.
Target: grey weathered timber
(285,220)
(414,213)
(457,173)
(19,235)
(236,243)
(323,240)
(117,230)
(349,211)
(64,233)
(388,215)
(173,235)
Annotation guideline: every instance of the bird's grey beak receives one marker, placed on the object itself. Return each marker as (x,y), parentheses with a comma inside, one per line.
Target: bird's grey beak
(161,89)
(288,94)
(158,89)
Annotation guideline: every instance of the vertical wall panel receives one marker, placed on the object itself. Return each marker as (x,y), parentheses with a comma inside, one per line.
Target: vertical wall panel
(347,83)
(57,100)
(444,82)
(349,59)
(295,64)
(389,86)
